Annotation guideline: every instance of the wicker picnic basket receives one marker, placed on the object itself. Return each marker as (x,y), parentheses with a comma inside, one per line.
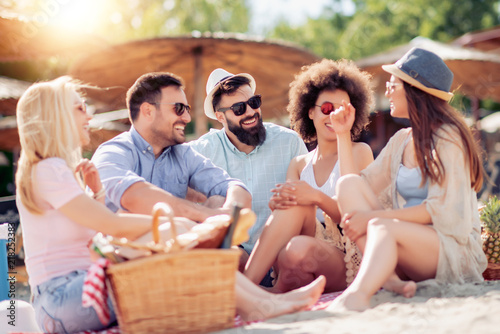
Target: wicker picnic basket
(181,291)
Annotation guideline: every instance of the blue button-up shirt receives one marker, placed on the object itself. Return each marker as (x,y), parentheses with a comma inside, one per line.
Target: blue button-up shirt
(128,158)
(260,170)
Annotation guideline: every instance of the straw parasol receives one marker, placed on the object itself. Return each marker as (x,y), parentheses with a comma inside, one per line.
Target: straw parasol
(102,126)
(476,73)
(26,40)
(100,131)
(30,40)
(272,64)
(484,40)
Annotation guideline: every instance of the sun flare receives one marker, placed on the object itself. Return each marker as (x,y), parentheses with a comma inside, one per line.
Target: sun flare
(79,15)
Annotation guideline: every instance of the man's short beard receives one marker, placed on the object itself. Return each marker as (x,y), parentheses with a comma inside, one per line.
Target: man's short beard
(253,137)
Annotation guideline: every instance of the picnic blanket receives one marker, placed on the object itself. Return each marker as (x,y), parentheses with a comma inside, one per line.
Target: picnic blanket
(95,295)
(321,304)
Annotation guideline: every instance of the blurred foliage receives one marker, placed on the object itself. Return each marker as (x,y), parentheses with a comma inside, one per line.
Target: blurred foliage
(378,25)
(153,18)
(123,20)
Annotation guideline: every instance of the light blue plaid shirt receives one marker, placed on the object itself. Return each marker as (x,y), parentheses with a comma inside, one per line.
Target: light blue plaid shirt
(260,170)
(128,158)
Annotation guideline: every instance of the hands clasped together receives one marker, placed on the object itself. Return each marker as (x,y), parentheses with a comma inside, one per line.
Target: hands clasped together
(292,193)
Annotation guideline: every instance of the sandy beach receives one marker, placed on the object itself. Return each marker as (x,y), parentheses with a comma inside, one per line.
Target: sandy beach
(436,309)
(467,308)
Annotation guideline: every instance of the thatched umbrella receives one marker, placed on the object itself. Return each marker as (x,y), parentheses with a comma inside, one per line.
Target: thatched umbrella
(272,64)
(10,91)
(102,126)
(100,131)
(29,40)
(484,40)
(476,73)
(24,40)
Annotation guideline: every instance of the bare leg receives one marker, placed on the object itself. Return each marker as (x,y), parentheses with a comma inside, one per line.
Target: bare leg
(304,258)
(357,195)
(243,258)
(414,247)
(281,226)
(254,303)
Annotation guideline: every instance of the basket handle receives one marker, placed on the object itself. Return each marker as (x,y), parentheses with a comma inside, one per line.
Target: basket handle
(165,209)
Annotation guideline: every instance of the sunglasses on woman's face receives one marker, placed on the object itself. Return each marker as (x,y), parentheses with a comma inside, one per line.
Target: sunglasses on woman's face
(327,107)
(179,107)
(239,108)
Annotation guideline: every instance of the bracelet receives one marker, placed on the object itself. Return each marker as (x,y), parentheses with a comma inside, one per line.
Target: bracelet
(98,195)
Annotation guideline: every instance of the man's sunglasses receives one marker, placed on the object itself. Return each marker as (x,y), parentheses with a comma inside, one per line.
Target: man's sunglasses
(179,107)
(326,108)
(240,108)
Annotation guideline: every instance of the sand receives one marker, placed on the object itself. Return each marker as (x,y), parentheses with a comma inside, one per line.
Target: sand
(467,308)
(435,309)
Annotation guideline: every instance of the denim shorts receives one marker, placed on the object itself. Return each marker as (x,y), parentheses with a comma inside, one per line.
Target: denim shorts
(58,305)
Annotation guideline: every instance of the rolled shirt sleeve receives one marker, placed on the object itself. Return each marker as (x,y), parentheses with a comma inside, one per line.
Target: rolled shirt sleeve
(128,158)
(204,176)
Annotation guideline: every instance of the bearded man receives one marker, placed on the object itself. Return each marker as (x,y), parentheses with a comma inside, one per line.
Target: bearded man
(255,152)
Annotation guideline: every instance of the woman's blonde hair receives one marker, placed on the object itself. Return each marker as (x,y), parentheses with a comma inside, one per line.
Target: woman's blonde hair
(47,129)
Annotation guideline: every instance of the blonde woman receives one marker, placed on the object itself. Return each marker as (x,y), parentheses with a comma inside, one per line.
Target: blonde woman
(58,218)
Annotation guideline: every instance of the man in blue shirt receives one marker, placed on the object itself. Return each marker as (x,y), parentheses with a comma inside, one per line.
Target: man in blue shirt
(149,163)
(255,152)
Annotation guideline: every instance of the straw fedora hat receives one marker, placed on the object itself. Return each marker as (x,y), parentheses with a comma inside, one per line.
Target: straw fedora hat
(424,70)
(217,77)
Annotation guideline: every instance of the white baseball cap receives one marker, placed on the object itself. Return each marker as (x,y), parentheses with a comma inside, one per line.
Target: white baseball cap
(218,76)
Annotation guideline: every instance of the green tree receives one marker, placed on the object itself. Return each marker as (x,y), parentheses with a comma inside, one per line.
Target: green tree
(378,25)
(153,18)
(319,35)
(122,20)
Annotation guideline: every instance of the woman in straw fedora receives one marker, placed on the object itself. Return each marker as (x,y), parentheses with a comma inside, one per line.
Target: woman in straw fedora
(59,219)
(301,238)
(413,211)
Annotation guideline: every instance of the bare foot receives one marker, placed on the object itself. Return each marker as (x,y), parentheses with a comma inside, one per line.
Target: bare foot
(405,288)
(349,301)
(279,304)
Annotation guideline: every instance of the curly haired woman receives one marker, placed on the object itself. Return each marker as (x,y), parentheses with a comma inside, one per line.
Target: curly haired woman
(297,239)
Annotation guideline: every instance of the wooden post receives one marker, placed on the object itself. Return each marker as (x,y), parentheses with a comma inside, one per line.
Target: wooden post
(199,93)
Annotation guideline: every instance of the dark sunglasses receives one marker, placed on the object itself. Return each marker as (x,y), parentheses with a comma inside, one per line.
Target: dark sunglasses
(239,108)
(326,108)
(179,107)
